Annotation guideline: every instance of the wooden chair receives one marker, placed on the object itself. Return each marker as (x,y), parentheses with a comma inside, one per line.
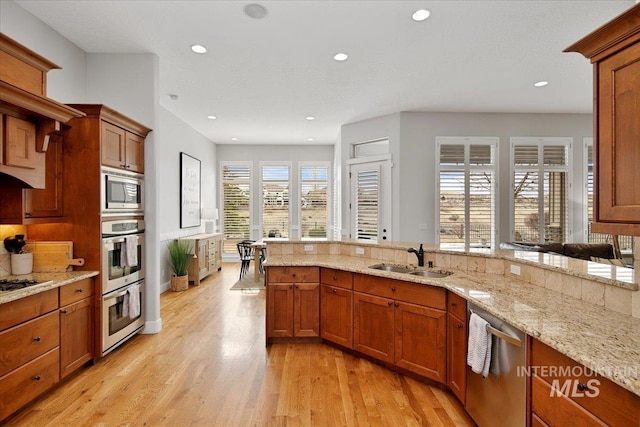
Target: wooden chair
(246,256)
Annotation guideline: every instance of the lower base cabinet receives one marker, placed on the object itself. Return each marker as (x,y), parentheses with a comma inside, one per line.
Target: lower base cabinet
(294,310)
(336,315)
(76,335)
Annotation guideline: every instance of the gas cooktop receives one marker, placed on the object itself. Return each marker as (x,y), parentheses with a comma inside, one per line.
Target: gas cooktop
(13,284)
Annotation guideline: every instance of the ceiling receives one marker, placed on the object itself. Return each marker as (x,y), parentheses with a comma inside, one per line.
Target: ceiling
(262,78)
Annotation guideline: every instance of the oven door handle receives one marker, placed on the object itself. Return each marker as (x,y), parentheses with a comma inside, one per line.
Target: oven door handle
(119,294)
(120,239)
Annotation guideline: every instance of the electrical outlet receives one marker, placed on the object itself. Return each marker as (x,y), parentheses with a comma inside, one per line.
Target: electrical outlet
(515,269)
(359,251)
(308,248)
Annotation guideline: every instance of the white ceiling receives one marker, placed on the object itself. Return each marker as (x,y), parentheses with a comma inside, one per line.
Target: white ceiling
(261,78)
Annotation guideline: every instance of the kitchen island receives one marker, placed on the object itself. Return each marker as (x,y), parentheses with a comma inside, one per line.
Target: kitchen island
(582,310)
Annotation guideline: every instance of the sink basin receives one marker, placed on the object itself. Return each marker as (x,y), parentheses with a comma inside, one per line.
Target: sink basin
(392,268)
(431,273)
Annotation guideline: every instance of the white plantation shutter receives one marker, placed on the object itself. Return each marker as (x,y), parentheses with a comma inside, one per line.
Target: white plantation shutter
(314,187)
(540,189)
(236,197)
(275,201)
(466,191)
(367,204)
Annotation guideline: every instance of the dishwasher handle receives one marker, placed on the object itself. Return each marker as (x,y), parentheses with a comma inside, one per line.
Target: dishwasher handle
(502,335)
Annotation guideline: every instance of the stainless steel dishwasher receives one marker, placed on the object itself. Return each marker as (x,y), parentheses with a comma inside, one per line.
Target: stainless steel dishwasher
(500,398)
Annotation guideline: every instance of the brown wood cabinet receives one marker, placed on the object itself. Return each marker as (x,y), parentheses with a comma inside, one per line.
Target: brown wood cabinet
(207,249)
(411,336)
(76,326)
(29,349)
(336,306)
(580,398)
(19,143)
(47,203)
(122,149)
(293,308)
(457,345)
(614,50)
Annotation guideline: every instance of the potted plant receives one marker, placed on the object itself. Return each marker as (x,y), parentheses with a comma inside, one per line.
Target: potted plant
(179,254)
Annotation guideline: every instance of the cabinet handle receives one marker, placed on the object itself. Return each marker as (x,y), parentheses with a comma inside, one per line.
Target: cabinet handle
(63,311)
(290,286)
(454,304)
(335,278)
(397,305)
(583,387)
(37,339)
(296,286)
(390,303)
(293,275)
(459,325)
(393,289)
(334,291)
(37,377)
(79,290)
(28,214)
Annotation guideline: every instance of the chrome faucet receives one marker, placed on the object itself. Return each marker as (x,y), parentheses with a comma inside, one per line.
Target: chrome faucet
(419,253)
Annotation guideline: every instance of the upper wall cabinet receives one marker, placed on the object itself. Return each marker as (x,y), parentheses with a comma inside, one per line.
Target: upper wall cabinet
(614,50)
(29,119)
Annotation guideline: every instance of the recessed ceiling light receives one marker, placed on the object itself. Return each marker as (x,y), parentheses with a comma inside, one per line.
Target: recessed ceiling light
(211,117)
(255,11)
(541,83)
(234,139)
(309,139)
(310,118)
(340,56)
(420,15)
(198,48)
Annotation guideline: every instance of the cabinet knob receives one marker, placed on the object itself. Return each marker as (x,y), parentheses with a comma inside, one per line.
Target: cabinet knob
(583,387)
(63,311)
(334,291)
(28,214)
(37,377)
(293,275)
(459,325)
(79,290)
(393,289)
(454,304)
(37,339)
(291,287)
(397,305)
(335,278)
(390,303)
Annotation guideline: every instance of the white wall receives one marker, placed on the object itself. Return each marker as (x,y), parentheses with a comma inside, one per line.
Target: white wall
(412,144)
(178,137)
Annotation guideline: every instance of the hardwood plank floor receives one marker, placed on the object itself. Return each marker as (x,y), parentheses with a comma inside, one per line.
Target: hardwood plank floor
(209,367)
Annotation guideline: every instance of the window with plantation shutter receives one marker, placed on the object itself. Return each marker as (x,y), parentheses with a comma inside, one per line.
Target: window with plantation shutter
(275,200)
(466,192)
(367,203)
(314,189)
(236,202)
(540,189)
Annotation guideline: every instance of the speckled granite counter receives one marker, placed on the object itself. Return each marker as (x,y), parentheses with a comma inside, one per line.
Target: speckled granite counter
(46,281)
(599,338)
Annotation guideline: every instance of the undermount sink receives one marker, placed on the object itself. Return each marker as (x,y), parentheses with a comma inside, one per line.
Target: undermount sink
(410,270)
(392,268)
(431,273)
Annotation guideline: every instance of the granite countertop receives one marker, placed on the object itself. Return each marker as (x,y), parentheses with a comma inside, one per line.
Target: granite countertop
(601,339)
(46,281)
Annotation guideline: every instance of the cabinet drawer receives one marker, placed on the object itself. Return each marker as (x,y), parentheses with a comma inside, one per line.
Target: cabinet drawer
(426,295)
(613,404)
(27,308)
(29,340)
(294,274)
(457,305)
(330,276)
(27,382)
(76,291)
(558,410)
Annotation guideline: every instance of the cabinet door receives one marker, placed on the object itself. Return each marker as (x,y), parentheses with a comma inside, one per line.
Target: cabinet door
(280,310)
(203,257)
(306,310)
(76,335)
(336,318)
(112,146)
(20,143)
(420,339)
(134,153)
(618,145)
(373,326)
(457,356)
(47,203)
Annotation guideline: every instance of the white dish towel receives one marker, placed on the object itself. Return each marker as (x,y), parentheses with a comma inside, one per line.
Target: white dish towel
(129,252)
(131,302)
(479,348)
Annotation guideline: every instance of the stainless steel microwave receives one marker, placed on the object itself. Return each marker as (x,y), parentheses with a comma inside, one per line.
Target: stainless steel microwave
(122,192)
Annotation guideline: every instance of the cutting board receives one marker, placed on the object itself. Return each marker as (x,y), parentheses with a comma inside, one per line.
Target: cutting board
(53,256)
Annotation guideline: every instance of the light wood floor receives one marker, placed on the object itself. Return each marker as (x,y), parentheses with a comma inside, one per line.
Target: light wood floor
(209,367)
